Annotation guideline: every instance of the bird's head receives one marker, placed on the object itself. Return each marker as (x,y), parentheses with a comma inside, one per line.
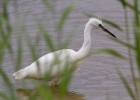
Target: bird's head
(97,24)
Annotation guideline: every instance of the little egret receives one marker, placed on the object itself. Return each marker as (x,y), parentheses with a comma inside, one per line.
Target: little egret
(46,63)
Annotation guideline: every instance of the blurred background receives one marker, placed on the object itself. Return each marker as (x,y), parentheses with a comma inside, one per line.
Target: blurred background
(97,79)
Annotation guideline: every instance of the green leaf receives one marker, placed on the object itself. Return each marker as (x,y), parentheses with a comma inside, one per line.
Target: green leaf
(105,50)
(46,36)
(108,51)
(137,44)
(126,84)
(5,42)
(1,23)
(65,81)
(68,40)
(136,13)
(124,43)
(32,49)
(48,5)
(64,17)
(5,78)
(7,26)
(107,96)
(125,3)
(6,15)
(112,24)
(2,53)
(4,96)
(7,82)
(45,92)
(19,54)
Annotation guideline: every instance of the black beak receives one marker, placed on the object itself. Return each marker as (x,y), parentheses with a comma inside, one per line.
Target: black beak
(107,31)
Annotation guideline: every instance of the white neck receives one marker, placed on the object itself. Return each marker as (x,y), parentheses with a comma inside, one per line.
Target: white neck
(84,50)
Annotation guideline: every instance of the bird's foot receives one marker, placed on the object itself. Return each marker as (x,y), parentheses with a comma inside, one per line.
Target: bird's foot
(55,82)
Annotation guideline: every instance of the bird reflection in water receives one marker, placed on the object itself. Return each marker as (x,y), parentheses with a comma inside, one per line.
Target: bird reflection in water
(32,94)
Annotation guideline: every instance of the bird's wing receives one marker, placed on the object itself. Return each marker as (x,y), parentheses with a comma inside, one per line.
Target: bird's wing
(52,63)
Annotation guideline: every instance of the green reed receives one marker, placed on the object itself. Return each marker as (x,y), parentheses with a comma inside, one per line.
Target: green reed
(134,93)
(6,31)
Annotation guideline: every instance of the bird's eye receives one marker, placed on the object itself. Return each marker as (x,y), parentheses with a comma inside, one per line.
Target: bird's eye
(100,25)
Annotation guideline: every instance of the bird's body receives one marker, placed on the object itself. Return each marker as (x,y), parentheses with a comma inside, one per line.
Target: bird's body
(55,63)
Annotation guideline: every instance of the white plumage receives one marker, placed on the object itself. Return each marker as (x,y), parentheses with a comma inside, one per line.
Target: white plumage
(55,63)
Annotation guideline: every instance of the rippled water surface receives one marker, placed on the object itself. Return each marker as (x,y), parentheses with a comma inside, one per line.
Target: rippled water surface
(98,77)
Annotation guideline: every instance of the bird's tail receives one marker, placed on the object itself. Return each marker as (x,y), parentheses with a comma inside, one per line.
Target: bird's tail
(21,74)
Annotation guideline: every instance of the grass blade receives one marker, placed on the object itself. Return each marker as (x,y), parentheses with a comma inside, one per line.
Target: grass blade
(33,53)
(61,23)
(108,51)
(124,2)
(65,83)
(7,83)
(7,25)
(68,40)
(126,84)
(4,96)
(48,5)
(112,24)
(136,13)
(19,55)
(47,37)
(45,93)
(137,43)
(5,78)
(32,48)
(64,17)
(124,43)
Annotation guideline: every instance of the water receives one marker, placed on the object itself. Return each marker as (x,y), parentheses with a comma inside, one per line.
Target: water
(24,94)
(98,77)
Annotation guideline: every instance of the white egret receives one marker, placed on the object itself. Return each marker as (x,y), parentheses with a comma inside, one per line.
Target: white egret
(55,70)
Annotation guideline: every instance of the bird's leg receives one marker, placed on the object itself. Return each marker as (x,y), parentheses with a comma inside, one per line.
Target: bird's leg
(55,82)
